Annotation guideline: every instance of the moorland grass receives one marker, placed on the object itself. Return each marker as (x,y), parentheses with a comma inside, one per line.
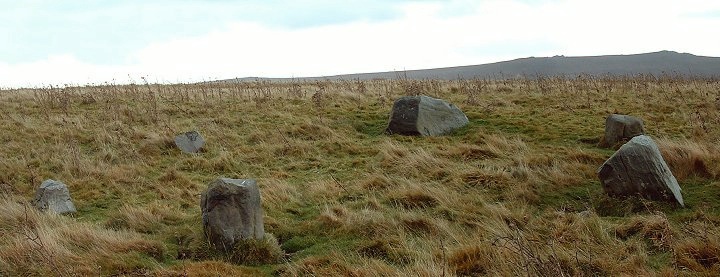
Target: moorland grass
(513,193)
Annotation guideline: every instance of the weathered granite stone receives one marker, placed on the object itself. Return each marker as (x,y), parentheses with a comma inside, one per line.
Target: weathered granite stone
(638,168)
(190,142)
(231,212)
(621,127)
(424,116)
(54,196)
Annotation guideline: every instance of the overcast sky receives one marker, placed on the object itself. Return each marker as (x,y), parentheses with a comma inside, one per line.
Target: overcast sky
(46,42)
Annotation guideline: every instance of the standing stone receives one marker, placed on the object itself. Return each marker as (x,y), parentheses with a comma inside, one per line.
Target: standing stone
(620,127)
(190,142)
(231,212)
(638,168)
(424,116)
(54,196)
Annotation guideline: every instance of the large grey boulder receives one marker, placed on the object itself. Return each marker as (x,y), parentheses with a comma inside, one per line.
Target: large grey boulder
(190,142)
(54,196)
(231,212)
(638,168)
(619,127)
(425,116)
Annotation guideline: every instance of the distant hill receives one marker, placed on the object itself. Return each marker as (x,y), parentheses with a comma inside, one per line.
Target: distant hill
(655,63)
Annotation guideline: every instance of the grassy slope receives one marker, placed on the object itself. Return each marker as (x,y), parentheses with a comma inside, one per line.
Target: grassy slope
(514,192)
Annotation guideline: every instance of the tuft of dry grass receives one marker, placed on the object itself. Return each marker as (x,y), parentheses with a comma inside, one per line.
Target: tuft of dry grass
(698,256)
(654,228)
(47,244)
(320,266)
(376,182)
(415,199)
(689,158)
(207,269)
(146,219)
(473,260)
(697,247)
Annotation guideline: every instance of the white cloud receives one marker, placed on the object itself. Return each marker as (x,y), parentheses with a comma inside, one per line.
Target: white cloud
(426,36)
(418,40)
(59,70)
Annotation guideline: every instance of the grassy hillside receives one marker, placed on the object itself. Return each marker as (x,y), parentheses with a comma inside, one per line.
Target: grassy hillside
(513,193)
